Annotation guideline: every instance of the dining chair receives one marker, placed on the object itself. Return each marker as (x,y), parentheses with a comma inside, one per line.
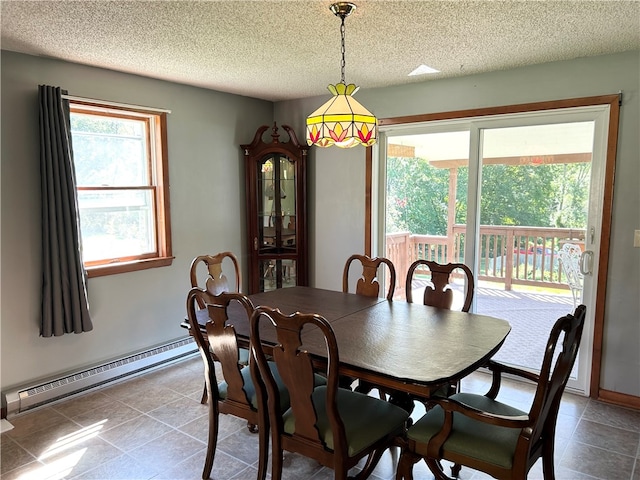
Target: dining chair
(236,394)
(334,426)
(438,292)
(368,283)
(213,280)
(485,434)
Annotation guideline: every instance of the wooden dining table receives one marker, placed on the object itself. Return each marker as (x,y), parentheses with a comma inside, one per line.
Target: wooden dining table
(407,347)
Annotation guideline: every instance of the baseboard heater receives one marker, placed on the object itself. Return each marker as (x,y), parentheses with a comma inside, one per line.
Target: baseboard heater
(24,399)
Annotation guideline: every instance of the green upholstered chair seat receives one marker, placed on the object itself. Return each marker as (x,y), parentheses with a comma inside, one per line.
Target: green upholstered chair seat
(366,419)
(250,389)
(471,438)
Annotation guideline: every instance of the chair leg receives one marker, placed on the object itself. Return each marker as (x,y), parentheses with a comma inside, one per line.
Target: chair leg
(252,427)
(436,468)
(205,397)
(402,400)
(212,440)
(548,469)
(340,472)
(405,465)
(276,458)
(372,461)
(263,451)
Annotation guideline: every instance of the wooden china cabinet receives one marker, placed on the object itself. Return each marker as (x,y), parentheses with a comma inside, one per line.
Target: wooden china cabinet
(276,186)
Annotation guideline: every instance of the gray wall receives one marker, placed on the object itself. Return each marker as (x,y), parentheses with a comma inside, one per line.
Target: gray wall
(130,311)
(137,310)
(338,182)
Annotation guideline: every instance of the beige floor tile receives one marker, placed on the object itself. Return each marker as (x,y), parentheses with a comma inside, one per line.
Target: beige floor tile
(116,414)
(153,426)
(135,432)
(84,403)
(120,468)
(79,454)
(199,428)
(611,415)
(180,412)
(149,397)
(596,462)
(40,419)
(606,437)
(13,455)
(165,452)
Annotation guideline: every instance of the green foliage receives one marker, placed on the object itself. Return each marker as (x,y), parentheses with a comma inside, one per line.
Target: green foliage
(517,195)
(417,197)
(108,151)
(552,195)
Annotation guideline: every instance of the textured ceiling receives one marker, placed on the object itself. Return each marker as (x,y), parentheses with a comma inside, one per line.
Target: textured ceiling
(278,50)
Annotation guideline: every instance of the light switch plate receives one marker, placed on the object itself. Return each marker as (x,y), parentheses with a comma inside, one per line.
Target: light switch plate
(636,238)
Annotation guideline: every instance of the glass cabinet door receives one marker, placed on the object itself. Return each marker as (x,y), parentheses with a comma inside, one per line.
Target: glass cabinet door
(276,205)
(276,273)
(276,221)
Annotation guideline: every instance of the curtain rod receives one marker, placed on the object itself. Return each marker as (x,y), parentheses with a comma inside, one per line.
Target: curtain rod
(114,104)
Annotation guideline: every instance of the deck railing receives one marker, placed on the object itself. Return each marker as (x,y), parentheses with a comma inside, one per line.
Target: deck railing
(508,255)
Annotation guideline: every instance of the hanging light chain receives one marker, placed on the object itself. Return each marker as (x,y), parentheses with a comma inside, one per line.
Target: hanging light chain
(343,50)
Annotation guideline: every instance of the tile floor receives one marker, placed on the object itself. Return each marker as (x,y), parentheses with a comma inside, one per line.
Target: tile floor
(153,427)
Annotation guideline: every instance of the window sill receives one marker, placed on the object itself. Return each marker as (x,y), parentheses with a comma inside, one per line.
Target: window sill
(116,268)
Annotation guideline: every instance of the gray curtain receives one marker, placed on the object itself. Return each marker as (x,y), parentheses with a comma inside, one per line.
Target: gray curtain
(65,308)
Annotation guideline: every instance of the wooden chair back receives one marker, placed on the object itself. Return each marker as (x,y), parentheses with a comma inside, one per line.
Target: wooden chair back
(313,426)
(295,366)
(216,281)
(555,373)
(440,293)
(368,283)
(221,345)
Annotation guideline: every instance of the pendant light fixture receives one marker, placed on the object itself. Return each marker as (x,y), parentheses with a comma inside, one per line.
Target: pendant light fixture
(342,121)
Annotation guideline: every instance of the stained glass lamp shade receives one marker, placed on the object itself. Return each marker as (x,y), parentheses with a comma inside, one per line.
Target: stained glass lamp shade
(342,121)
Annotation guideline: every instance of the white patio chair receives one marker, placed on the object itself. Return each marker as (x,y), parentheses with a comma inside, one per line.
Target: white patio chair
(569,256)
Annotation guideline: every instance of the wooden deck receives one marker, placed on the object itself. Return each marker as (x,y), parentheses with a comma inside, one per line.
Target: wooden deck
(530,314)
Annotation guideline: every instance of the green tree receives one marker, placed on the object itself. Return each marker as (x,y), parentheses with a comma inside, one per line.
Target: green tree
(518,195)
(417,197)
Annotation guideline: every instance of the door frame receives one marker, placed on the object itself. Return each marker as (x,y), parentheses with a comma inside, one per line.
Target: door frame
(607,202)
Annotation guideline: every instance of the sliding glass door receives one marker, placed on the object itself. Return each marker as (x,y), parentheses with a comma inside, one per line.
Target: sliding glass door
(507,195)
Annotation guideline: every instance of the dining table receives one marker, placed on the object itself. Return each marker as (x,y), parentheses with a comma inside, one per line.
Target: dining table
(406,347)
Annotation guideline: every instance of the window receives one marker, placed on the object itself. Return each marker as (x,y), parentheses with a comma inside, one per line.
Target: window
(120,158)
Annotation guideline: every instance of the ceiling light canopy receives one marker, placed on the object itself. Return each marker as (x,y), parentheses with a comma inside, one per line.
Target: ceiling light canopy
(342,121)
